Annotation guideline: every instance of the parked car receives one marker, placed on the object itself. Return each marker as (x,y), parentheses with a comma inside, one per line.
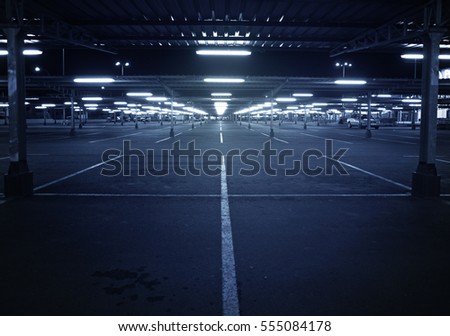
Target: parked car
(356,121)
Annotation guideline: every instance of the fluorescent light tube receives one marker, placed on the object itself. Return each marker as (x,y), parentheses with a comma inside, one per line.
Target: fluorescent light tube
(285,99)
(156,99)
(139,94)
(221,94)
(223,52)
(302,95)
(92,98)
(94,80)
(350,82)
(223,80)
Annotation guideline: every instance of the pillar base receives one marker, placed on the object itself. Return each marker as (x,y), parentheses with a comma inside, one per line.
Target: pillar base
(272,134)
(192,126)
(18,184)
(171,133)
(72,132)
(136,126)
(425,181)
(249,127)
(304,126)
(368,133)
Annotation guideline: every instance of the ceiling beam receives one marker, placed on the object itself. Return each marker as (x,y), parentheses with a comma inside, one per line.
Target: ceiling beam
(50,25)
(409,27)
(157,38)
(223,23)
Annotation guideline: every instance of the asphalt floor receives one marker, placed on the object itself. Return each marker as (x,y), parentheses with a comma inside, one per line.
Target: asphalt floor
(226,231)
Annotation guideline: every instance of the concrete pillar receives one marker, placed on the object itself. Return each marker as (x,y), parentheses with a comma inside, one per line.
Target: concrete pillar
(19,180)
(272,134)
(425,180)
(171,133)
(369,115)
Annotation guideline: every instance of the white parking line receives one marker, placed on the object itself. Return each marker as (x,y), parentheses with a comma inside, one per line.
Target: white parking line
(230,300)
(75,174)
(221,137)
(444,161)
(319,137)
(162,140)
(128,195)
(275,138)
(314,195)
(377,176)
(118,137)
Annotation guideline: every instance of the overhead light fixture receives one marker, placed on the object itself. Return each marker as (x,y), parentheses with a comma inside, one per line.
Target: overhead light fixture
(120,103)
(411,100)
(220,99)
(223,52)
(350,82)
(285,99)
(157,99)
(420,56)
(302,95)
(94,80)
(223,80)
(90,105)
(32,52)
(349,100)
(412,56)
(92,98)
(26,52)
(48,105)
(384,95)
(221,94)
(139,94)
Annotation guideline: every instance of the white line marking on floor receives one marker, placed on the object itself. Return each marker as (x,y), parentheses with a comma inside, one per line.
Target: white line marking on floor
(275,138)
(162,140)
(314,195)
(76,173)
(377,176)
(50,194)
(319,137)
(221,137)
(178,134)
(394,141)
(118,137)
(444,161)
(281,140)
(4,158)
(128,195)
(230,300)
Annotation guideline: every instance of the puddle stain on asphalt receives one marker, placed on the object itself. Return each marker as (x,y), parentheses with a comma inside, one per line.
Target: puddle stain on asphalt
(122,282)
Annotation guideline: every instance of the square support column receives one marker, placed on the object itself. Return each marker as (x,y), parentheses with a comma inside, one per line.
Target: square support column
(425,180)
(18,180)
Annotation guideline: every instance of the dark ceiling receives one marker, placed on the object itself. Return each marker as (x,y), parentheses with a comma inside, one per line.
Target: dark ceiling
(288,39)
